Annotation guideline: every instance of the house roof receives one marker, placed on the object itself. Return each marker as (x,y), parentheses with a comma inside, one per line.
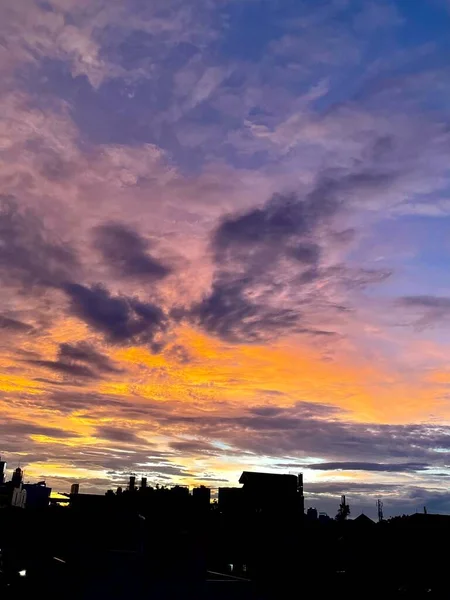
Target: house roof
(363,519)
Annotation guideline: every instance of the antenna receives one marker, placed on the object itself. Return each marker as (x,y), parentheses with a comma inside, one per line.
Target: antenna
(380,510)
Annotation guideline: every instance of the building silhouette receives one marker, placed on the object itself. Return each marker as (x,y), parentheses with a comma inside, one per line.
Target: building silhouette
(17,477)
(230,499)
(201,497)
(2,471)
(273,493)
(312,514)
(37,494)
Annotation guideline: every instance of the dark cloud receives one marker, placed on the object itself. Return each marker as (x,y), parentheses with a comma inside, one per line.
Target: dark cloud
(174,470)
(116,434)
(301,431)
(18,429)
(67,401)
(85,353)
(13,325)
(66,368)
(268,259)
(336,488)
(120,318)
(127,253)
(283,218)
(306,253)
(27,253)
(303,409)
(438,302)
(193,447)
(52,381)
(266,411)
(246,250)
(231,314)
(427,310)
(79,360)
(367,466)
(290,221)
(180,353)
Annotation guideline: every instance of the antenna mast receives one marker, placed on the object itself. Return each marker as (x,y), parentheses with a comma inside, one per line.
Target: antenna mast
(380,510)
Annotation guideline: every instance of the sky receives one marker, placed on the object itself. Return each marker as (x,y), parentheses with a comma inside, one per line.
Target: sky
(224,245)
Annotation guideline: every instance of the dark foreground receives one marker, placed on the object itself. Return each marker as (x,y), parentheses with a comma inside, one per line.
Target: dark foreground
(59,553)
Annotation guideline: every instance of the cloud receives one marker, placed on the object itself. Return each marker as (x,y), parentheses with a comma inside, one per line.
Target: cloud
(116,434)
(85,353)
(229,314)
(14,325)
(367,466)
(79,360)
(350,487)
(429,309)
(194,447)
(273,263)
(28,254)
(135,31)
(65,368)
(304,432)
(304,409)
(121,319)
(282,219)
(433,302)
(19,429)
(126,252)
(68,401)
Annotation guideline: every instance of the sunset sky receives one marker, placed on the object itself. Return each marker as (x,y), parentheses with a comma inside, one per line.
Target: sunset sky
(224,244)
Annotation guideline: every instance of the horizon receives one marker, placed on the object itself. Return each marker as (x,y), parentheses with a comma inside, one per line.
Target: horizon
(316,501)
(223,244)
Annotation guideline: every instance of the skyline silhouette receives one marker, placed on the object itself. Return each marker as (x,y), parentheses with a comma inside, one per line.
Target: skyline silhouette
(211,497)
(254,543)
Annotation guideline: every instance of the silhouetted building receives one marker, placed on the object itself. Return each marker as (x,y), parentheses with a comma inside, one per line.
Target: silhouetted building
(201,497)
(132,483)
(2,471)
(88,502)
(75,488)
(311,514)
(324,517)
(230,499)
(180,491)
(273,493)
(143,483)
(19,497)
(17,477)
(363,521)
(37,494)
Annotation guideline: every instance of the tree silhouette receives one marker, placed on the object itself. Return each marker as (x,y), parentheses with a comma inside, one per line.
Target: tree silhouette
(343,511)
